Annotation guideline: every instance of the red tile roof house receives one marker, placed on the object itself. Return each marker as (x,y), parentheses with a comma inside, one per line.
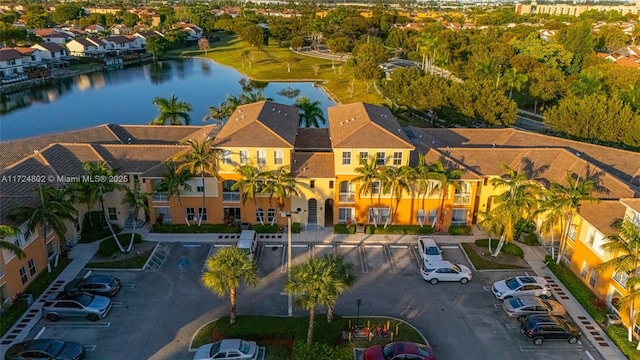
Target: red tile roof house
(11,67)
(51,52)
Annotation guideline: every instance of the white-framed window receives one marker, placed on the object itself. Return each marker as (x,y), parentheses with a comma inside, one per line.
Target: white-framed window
(228,193)
(202,212)
(259,215)
(32,267)
(199,185)
(432,215)
(232,212)
(375,187)
(397,158)
(584,270)
(591,235)
(346,158)
(381,158)
(226,157)
(191,214)
(459,216)
(568,254)
(592,278)
(271,214)
(420,217)
(244,157)
(113,214)
(347,192)
(378,215)
(572,231)
(164,213)
(158,195)
(463,195)
(344,214)
(262,157)
(23,275)
(278,157)
(364,155)
(621,278)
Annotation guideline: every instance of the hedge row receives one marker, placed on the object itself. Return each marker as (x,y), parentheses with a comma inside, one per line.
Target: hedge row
(399,229)
(108,247)
(195,229)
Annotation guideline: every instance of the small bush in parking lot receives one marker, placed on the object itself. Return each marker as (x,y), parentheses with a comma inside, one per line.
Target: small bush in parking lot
(295,228)
(618,335)
(194,229)
(108,247)
(399,229)
(508,248)
(459,230)
(315,351)
(265,229)
(343,229)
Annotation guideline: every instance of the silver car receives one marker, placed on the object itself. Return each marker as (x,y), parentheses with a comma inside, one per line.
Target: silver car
(232,349)
(523,306)
(76,305)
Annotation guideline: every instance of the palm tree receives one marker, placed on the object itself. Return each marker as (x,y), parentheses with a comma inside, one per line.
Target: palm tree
(551,215)
(172,183)
(250,185)
(85,193)
(201,158)
(517,202)
(341,271)
(491,225)
(515,80)
(396,184)
(446,179)
(429,45)
(424,179)
(9,231)
(137,200)
(568,200)
(312,285)
(55,208)
(100,170)
(625,247)
(171,110)
(310,113)
(226,270)
(280,184)
(367,177)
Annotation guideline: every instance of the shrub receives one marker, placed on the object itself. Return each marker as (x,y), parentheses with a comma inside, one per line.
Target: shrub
(91,237)
(93,222)
(508,248)
(194,229)
(265,229)
(459,230)
(295,228)
(618,335)
(399,229)
(320,351)
(108,247)
(343,229)
(531,239)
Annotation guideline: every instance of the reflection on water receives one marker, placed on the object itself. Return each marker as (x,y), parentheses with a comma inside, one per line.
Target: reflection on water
(125,96)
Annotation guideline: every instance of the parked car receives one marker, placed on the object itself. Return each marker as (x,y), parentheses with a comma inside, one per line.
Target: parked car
(76,305)
(523,306)
(429,250)
(445,271)
(521,286)
(228,349)
(45,349)
(548,327)
(104,285)
(400,350)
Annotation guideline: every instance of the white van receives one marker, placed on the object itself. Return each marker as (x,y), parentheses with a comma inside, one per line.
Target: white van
(429,250)
(249,242)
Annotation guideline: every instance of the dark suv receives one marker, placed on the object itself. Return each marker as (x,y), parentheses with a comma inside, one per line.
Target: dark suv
(547,327)
(95,284)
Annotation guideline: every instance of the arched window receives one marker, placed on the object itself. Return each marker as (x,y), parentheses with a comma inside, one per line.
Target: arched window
(259,215)
(271,214)
(228,193)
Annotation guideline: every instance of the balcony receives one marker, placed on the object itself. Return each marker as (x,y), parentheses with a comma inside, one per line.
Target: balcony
(160,197)
(230,196)
(347,197)
(462,199)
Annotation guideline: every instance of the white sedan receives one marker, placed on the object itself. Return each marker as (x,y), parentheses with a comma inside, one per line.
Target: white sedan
(434,272)
(234,349)
(521,286)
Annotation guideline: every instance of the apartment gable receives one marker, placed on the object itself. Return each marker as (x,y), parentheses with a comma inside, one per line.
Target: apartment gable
(136,158)
(312,165)
(67,160)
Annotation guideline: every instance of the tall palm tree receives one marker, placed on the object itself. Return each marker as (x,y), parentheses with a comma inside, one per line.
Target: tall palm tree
(429,45)
(367,172)
(491,225)
(310,113)
(517,202)
(551,215)
(137,200)
(201,158)
(85,192)
(9,231)
(515,80)
(341,271)
(171,110)
(280,184)
(172,183)
(568,199)
(101,170)
(226,271)
(55,208)
(396,184)
(625,247)
(250,185)
(446,179)
(312,285)
(424,180)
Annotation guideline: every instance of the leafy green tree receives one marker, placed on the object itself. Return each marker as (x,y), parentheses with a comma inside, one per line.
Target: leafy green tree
(157,46)
(429,45)
(588,83)
(252,34)
(199,159)
(366,60)
(579,40)
(612,39)
(228,269)
(65,12)
(280,28)
(231,103)
(12,36)
(338,45)
(631,97)
(136,200)
(172,183)
(280,184)
(250,185)
(546,84)
(492,106)
(553,54)
(297,42)
(7,231)
(311,114)
(515,80)
(36,17)
(172,111)
(130,19)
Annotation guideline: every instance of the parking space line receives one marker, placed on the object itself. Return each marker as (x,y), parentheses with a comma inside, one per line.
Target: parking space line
(487,288)
(128,286)
(510,326)
(527,348)
(204,266)
(323,246)
(398,246)
(81,325)
(89,347)
(117,304)
(449,247)
(363,259)
(497,305)
(40,333)
(283,267)
(586,352)
(389,259)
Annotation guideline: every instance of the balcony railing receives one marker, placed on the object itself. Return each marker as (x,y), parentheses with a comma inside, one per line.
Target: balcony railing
(462,199)
(231,196)
(160,197)
(347,197)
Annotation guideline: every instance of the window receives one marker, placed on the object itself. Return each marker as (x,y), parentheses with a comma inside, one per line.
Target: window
(459,216)
(232,212)
(163,214)
(312,184)
(378,215)
(202,212)
(592,278)
(199,185)
(262,157)
(113,214)
(158,195)
(32,267)
(381,158)
(226,157)
(278,157)
(347,192)
(244,157)
(397,158)
(375,187)
(344,214)
(420,216)
(463,195)
(271,214)
(191,214)
(228,193)
(591,236)
(621,278)
(330,184)
(572,232)
(432,216)
(568,253)
(346,158)
(23,275)
(364,155)
(585,270)
(259,215)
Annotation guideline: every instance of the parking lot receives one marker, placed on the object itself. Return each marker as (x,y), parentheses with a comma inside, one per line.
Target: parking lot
(157,312)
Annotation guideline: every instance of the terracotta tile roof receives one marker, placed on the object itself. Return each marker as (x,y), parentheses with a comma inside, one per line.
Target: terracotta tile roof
(9,54)
(361,125)
(68,159)
(592,213)
(45,31)
(634,204)
(136,158)
(313,139)
(25,50)
(261,124)
(312,165)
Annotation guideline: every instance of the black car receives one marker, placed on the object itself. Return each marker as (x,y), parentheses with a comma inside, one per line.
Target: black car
(95,284)
(45,349)
(547,327)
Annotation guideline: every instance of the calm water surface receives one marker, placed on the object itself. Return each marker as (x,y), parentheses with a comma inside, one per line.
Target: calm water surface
(125,97)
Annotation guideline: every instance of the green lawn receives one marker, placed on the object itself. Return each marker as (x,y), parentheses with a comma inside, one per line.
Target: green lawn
(268,65)
(486,262)
(136,262)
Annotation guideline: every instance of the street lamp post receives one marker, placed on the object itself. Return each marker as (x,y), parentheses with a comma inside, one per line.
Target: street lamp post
(290,298)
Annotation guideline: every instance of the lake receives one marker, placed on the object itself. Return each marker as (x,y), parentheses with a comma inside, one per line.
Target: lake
(125,96)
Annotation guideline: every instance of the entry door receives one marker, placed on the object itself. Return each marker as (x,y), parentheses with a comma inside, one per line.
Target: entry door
(328,213)
(312,218)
